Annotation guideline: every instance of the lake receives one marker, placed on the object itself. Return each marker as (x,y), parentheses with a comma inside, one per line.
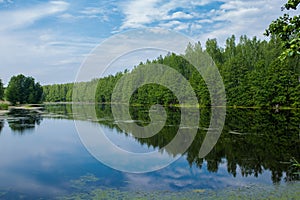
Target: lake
(42,156)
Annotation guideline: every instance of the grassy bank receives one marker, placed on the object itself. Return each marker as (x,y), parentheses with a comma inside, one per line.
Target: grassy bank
(4,106)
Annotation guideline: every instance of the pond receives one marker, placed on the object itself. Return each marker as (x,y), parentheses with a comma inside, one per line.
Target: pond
(42,156)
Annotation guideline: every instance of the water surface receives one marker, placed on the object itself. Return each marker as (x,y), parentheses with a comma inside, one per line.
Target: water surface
(42,155)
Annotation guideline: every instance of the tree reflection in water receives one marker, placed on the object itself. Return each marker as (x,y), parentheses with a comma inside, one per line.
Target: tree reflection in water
(21,120)
(1,125)
(253,140)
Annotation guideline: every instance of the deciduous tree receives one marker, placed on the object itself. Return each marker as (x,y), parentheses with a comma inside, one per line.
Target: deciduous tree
(1,90)
(287,28)
(23,89)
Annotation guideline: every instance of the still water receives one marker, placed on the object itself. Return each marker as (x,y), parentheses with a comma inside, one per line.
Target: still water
(42,156)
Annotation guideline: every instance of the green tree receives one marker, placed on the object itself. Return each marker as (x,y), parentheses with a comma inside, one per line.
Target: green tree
(214,51)
(287,28)
(1,90)
(38,93)
(23,89)
(14,89)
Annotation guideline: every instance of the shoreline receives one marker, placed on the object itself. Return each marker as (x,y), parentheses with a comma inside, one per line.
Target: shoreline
(3,112)
(178,105)
(38,107)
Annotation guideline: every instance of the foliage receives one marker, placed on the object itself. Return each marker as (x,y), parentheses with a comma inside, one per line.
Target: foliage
(3,106)
(23,89)
(1,90)
(295,166)
(58,93)
(288,30)
(104,88)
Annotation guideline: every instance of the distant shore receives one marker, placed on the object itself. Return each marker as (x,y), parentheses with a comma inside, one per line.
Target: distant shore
(38,107)
(182,105)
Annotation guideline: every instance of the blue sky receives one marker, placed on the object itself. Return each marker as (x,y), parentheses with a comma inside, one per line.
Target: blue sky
(50,39)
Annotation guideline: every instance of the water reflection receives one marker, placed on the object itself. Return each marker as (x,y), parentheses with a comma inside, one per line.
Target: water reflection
(253,141)
(1,125)
(21,120)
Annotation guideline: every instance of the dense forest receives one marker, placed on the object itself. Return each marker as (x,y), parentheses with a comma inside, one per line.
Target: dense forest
(252,71)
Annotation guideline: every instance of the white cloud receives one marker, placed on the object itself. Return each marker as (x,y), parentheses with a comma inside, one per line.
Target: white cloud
(200,3)
(182,27)
(95,12)
(138,13)
(181,15)
(237,17)
(88,13)
(202,21)
(47,54)
(196,27)
(24,17)
(249,18)
(143,13)
(6,1)
(67,16)
(92,11)
(171,24)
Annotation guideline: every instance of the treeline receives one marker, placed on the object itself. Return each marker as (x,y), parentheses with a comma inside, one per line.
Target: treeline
(84,90)
(252,73)
(58,92)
